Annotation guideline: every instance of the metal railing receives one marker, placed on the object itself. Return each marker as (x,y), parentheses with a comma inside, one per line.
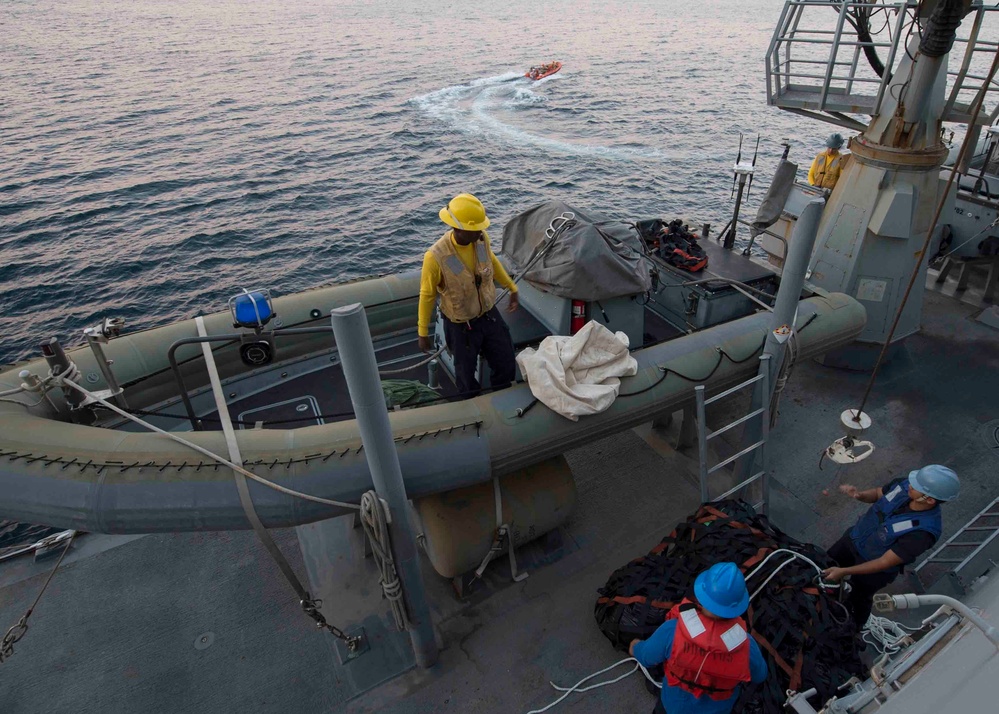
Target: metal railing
(968,553)
(819,33)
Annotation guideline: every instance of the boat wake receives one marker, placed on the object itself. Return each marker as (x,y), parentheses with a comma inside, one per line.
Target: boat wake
(489,106)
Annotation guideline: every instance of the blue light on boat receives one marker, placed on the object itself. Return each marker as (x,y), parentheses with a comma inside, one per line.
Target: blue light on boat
(251,309)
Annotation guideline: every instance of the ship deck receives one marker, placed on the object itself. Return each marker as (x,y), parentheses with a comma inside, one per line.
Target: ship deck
(203,621)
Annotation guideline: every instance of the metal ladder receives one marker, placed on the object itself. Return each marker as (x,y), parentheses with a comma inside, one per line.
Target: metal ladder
(971,551)
(703,437)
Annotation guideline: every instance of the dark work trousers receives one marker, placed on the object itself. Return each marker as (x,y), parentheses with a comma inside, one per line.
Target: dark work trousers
(660,709)
(861,598)
(489,336)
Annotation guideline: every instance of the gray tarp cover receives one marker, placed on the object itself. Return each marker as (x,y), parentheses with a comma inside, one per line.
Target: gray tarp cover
(595,259)
(776,198)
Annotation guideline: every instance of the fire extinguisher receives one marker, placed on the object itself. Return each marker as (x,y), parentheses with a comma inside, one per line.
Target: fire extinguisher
(578,316)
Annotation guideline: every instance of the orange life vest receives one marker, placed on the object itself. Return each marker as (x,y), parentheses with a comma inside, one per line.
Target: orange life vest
(709,657)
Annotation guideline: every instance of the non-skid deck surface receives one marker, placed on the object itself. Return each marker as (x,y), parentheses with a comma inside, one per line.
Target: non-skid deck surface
(117,632)
(125,631)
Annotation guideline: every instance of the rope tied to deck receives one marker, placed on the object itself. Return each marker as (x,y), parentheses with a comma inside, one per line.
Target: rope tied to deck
(375,519)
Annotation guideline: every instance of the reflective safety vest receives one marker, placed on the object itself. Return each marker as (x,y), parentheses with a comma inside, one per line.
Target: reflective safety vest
(876,532)
(464,295)
(824,172)
(709,657)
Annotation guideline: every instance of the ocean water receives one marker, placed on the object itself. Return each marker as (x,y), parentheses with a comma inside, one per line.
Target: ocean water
(155,158)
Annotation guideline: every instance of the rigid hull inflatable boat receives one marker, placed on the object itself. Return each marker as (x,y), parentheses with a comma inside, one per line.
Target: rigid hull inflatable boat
(542,71)
(295,428)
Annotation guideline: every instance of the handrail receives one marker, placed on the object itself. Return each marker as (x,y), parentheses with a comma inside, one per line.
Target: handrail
(179,378)
(783,65)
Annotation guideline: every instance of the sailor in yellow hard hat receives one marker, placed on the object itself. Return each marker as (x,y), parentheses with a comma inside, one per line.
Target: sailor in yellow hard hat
(828,164)
(462,268)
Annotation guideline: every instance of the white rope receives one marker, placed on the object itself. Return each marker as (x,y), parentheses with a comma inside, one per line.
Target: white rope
(576,687)
(23,404)
(790,357)
(209,454)
(887,636)
(410,368)
(375,519)
(795,555)
(42,387)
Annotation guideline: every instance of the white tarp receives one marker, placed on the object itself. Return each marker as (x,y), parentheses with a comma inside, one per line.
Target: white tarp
(578,375)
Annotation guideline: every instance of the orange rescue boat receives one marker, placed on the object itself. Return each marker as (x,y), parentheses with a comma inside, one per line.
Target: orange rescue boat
(542,71)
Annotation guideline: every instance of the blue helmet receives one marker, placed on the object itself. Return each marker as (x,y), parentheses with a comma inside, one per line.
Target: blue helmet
(936,481)
(721,590)
(835,141)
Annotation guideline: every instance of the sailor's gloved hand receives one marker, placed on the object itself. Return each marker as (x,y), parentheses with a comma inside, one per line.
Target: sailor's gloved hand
(514,302)
(426,344)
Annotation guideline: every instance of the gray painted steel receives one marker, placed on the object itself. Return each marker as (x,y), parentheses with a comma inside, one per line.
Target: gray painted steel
(791,284)
(350,325)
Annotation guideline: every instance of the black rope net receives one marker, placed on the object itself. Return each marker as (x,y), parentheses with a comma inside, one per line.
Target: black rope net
(802,629)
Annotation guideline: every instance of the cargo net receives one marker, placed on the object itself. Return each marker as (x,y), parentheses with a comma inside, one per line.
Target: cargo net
(803,631)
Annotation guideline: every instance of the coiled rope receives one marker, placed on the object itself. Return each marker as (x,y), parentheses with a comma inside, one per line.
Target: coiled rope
(375,519)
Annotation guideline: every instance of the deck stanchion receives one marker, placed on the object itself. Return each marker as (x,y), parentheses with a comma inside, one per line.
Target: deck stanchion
(792,282)
(353,339)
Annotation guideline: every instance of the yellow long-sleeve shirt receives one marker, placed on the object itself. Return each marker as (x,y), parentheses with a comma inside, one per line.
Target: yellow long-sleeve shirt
(430,279)
(826,169)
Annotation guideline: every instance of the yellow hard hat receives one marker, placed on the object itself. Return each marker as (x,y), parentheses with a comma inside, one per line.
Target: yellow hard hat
(466,213)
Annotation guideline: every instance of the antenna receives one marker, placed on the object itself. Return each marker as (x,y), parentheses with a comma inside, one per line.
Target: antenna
(738,160)
(786,143)
(755,154)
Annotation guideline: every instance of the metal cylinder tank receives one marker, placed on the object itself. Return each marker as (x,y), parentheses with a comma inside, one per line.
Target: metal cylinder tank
(459,525)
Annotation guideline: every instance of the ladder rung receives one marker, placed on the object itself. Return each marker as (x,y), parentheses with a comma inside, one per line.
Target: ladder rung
(734,389)
(961,543)
(945,560)
(981,528)
(981,546)
(732,458)
(739,487)
(749,416)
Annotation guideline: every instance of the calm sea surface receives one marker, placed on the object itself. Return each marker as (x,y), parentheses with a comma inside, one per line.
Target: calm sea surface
(157,157)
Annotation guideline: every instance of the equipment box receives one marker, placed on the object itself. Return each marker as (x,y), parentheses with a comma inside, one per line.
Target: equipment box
(694,307)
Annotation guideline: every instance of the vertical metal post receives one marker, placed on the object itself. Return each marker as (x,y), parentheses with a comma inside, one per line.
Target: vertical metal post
(730,236)
(792,281)
(702,442)
(357,355)
(833,51)
(59,363)
(104,365)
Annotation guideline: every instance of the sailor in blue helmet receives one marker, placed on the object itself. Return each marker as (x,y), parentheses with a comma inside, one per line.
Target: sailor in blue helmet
(703,647)
(903,523)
